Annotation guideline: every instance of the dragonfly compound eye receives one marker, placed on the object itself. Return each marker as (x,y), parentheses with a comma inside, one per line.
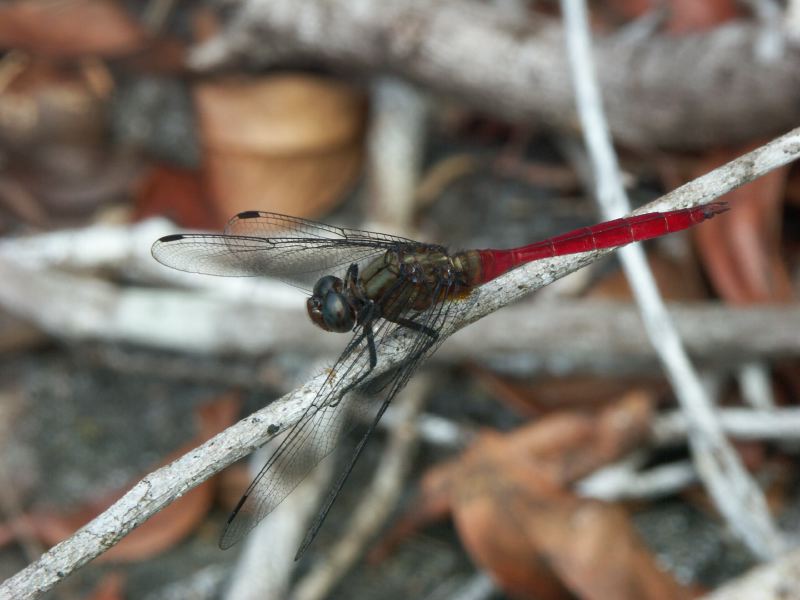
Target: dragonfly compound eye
(337,313)
(331,312)
(326,284)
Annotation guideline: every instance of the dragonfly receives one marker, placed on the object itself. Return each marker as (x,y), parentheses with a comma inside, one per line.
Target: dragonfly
(372,286)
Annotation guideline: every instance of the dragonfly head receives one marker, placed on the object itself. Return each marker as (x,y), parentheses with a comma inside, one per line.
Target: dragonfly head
(328,306)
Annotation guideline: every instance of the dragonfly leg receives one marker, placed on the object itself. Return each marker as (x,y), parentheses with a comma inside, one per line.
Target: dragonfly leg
(353,283)
(413,325)
(373,360)
(352,272)
(373,351)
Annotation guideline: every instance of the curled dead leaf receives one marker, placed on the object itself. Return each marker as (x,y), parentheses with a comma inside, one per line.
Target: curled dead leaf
(155,535)
(59,29)
(53,127)
(543,395)
(597,553)
(742,252)
(44,103)
(287,143)
(110,587)
(510,499)
(683,16)
(179,195)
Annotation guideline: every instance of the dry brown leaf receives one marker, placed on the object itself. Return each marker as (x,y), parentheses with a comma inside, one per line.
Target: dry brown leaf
(110,587)
(161,531)
(495,538)
(510,500)
(44,103)
(576,391)
(683,16)
(689,15)
(179,195)
(69,28)
(53,128)
(597,552)
(546,395)
(287,143)
(741,252)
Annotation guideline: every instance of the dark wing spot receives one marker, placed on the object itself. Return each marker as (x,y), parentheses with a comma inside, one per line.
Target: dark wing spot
(248,214)
(171,238)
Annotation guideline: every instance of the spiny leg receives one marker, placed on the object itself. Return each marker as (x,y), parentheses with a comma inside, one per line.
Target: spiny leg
(414,326)
(373,360)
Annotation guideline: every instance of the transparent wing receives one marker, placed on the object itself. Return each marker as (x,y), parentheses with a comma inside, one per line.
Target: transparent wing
(333,412)
(254,223)
(258,243)
(440,319)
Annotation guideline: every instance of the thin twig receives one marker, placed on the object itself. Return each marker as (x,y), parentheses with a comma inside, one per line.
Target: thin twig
(626,482)
(160,488)
(734,492)
(781,424)
(264,568)
(395,148)
(775,581)
(770,44)
(755,384)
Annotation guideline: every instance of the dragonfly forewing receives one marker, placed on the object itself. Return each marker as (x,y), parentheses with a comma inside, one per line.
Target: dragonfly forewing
(299,253)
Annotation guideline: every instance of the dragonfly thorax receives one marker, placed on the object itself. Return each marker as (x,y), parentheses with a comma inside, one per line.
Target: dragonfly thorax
(329,307)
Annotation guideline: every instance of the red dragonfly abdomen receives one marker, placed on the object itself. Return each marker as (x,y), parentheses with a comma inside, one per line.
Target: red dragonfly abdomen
(610,234)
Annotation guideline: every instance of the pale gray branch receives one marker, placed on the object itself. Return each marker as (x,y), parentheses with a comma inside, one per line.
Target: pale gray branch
(395,149)
(264,567)
(662,91)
